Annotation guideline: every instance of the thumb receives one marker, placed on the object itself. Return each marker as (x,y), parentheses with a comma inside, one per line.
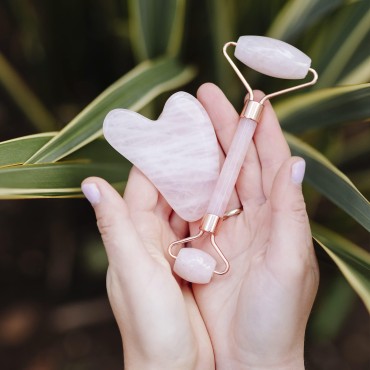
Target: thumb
(290,230)
(125,252)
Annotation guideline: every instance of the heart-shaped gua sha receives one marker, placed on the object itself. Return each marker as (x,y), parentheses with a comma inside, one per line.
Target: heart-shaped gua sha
(178,152)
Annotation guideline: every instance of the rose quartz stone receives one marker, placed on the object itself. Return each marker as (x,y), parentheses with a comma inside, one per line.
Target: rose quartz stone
(194,265)
(178,152)
(231,167)
(272,57)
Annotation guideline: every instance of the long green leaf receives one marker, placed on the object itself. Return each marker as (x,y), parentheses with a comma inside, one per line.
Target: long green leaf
(353,261)
(325,107)
(357,75)
(98,151)
(336,302)
(297,15)
(223,29)
(132,91)
(55,179)
(17,151)
(331,182)
(61,179)
(344,37)
(26,100)
(156,27)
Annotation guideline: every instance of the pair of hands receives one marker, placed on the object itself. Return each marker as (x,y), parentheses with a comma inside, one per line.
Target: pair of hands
(255,316)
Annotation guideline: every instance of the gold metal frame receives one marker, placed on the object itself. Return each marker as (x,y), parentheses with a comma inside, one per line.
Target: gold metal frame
(272,95)
(253,110)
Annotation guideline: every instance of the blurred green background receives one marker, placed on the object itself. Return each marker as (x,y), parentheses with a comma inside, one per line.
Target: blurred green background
(57,57)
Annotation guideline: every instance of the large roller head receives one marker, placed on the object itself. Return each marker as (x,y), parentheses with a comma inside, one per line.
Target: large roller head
(272,57)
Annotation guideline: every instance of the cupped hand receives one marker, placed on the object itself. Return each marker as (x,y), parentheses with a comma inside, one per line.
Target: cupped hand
(160,324)
(257,313)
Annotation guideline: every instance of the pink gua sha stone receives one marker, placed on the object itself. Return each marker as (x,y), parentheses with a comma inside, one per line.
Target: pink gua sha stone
(178,152)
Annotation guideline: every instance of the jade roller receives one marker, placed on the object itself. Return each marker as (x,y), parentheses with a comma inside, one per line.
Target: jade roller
(273,58)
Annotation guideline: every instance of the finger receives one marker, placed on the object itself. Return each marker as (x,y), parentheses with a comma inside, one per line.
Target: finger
(123,246)
(179,226)
(140,194)
(208,96)
(291,242)
(163,209)
(225,120)
(271,145)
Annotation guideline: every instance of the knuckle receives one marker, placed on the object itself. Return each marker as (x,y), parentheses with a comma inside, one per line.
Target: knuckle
(298,211)
(105,225)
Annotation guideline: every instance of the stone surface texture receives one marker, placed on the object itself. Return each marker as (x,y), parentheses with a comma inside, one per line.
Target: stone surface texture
(194,265)
(272,57)
(178,152)
(231,167)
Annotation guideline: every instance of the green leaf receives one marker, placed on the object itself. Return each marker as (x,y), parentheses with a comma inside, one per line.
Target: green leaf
(357,75)
(353,261)
(298,15)
(132,91)
(61,179)
(331,182)
(26,100)
(55,179)
(325,107)
(98,151)
(342,38)
(336,302)
(156,27)
(17,151)
(223,29)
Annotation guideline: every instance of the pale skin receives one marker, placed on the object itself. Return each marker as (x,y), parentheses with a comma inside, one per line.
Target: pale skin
(255,316)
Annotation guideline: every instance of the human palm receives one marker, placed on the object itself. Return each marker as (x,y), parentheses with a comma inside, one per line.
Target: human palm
(257,312)
(160,324)
(252,317)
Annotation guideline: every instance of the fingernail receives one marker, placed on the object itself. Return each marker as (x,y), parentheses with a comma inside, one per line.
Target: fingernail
(298,170)
(91,193)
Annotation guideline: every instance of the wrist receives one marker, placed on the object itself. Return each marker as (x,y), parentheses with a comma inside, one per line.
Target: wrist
(298,365)
(280,365)
(254,363)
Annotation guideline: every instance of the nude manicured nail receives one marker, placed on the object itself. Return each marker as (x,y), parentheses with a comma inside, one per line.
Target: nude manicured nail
(91,193)
(298,170)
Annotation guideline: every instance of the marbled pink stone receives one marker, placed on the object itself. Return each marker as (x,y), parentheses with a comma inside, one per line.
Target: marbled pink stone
(194,265)
(231,167)
(178,152)
(272,57)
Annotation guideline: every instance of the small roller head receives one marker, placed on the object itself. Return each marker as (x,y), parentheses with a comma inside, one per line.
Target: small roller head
(194,265)
(272,57)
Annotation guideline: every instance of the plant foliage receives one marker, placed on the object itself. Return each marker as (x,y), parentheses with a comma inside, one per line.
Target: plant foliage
(333,114)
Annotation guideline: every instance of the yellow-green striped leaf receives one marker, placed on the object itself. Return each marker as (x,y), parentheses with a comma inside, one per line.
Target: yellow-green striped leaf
(325,107)
(357,75)
(331,182)
(344,41)
(61,179)
(26,100)
(156,27)
(17,151)
(132,91)
(353,261)
(297,15)
(55,179)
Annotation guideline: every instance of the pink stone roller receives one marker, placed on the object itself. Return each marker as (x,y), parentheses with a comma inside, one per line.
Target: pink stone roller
(273,58)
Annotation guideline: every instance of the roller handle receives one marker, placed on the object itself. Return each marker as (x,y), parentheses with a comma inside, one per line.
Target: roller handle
(231,167)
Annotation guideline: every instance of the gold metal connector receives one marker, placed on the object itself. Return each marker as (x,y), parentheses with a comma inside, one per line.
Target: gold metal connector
(253,110)
(210,223)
